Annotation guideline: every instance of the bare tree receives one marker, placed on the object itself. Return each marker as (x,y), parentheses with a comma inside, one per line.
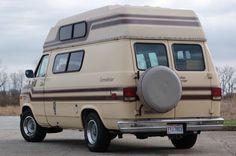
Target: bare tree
(3,77)
(227,78)
(21,77)
(17,80)
(10,86)
(14,80)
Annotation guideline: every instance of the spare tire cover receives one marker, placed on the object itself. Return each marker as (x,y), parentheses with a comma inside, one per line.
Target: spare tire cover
(160,88)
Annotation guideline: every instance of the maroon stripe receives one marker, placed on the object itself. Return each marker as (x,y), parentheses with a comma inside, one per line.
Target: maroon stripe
(146,22)
(101,98)
(106,89)
(77,90)
(76,98)
(92,98)
(197,88)
(196,97)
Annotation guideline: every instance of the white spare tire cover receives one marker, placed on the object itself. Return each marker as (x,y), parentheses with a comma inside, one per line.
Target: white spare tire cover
(159,88)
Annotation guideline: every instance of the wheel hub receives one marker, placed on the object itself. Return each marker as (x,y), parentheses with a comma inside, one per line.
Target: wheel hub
(92,132)
(29,126)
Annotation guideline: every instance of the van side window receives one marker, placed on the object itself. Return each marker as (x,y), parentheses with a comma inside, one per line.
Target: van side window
(79,30)
(75,61)
(150,54)
(42,67)
(188,57)
(65,32)
(68,62)
(60,63)
(72,31)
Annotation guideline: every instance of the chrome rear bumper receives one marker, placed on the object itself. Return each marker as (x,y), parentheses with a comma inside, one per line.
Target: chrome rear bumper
(160,125)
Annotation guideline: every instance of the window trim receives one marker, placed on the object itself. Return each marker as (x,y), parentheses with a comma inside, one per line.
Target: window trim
(40,61)
(70,34)
(67,63)
(203,58)
(74,29)
(149,43)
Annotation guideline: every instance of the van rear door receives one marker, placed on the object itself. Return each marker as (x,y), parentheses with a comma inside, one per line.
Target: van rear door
(149,53)
(190,64)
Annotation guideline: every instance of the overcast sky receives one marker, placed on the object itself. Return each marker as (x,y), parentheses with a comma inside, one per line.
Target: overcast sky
(24,25)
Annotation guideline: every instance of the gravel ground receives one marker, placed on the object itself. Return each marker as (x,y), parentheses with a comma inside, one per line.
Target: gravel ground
(71,143)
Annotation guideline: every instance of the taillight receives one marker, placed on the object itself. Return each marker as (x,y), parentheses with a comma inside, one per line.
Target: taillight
(130,94)
(216,93)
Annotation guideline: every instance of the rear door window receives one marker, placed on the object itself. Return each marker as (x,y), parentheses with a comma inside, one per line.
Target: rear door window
(150,54)
(188,57)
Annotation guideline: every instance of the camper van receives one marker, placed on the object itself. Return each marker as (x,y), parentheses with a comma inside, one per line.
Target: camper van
(117,70)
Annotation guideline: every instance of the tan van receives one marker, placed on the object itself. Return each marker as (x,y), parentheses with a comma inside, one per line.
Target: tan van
(146,71)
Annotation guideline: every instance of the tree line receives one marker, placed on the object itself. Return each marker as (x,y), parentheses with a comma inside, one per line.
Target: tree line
(227,76)
(11,84)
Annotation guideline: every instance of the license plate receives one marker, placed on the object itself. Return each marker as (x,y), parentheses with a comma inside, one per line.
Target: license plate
(175,129)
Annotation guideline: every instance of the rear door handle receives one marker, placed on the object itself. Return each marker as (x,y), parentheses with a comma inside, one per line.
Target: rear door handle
(183,79)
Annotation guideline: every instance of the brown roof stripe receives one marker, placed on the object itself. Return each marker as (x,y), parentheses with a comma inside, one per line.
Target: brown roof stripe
(144,16)
(147,22)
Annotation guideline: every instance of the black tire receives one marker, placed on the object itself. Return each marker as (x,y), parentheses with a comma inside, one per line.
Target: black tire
(33,132)
(185,142)
(96,135)
(112,136)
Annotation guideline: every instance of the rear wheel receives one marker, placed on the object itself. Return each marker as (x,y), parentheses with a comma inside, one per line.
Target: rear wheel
(30,129)
(96,135)
(184,142)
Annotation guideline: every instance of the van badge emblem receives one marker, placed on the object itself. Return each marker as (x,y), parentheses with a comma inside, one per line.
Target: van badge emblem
(107,79)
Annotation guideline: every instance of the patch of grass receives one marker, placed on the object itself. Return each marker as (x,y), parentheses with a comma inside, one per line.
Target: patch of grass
(230,122)
(9,111)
